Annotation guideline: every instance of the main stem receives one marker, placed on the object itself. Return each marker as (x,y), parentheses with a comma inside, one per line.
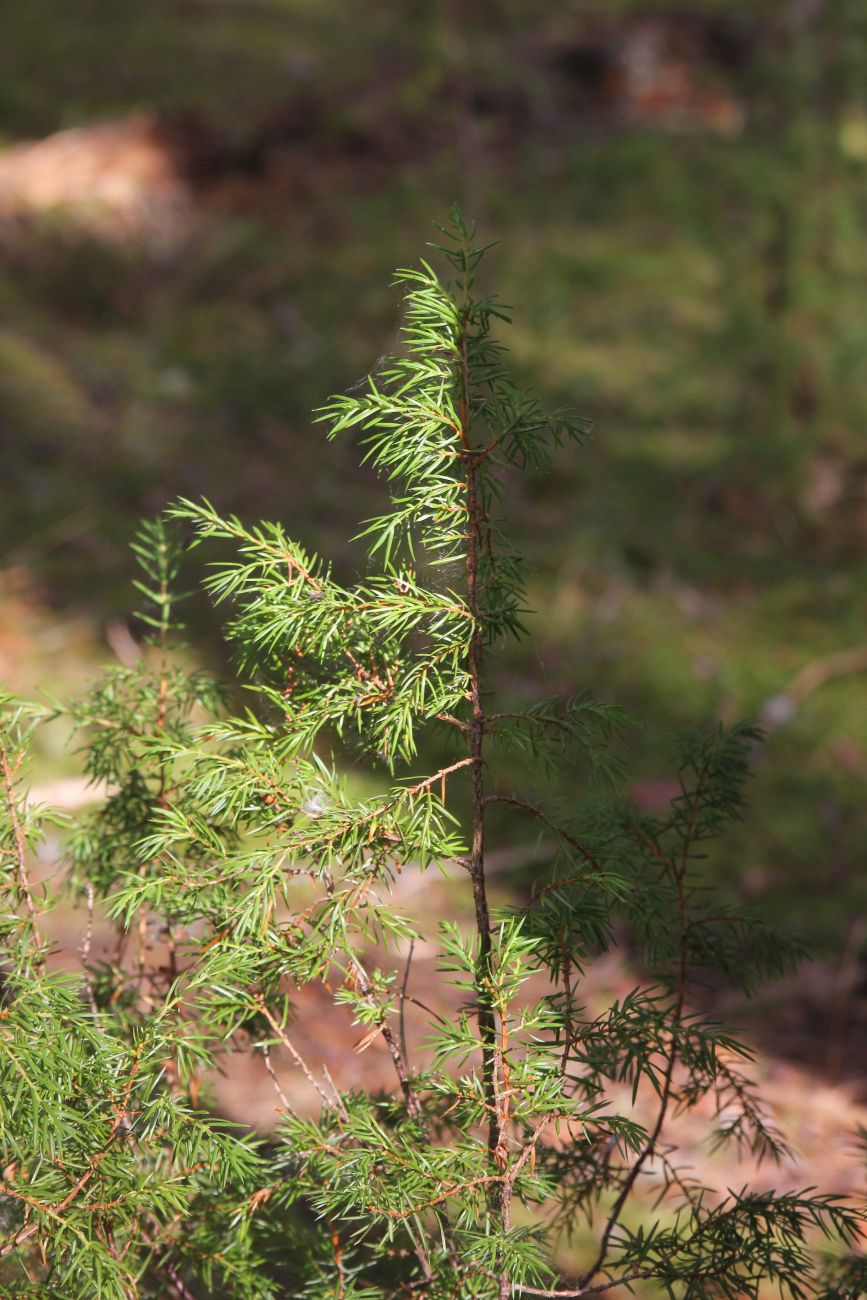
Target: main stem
(487,1027)
(492,1072)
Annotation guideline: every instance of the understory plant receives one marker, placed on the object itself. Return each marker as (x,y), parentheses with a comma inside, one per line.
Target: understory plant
(229,866)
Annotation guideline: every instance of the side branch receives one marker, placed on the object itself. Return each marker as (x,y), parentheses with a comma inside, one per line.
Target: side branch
(678,870)
(559,831)
(297,1058)
(54,1211)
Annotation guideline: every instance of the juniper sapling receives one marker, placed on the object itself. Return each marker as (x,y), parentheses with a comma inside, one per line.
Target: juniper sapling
(237,867)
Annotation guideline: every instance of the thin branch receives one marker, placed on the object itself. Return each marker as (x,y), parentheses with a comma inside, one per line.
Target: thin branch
(558,830)
(574,1292)
(337,1252)
(284,1100)
(176,1282)
(182,1291)
(665,1097)
(292,1050)
(456,1188)
(403,989)
(85,951)
(529,1148)
(400,1065)
(335,1091)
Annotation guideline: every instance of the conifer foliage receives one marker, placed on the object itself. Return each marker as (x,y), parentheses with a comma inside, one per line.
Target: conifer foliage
(236,868)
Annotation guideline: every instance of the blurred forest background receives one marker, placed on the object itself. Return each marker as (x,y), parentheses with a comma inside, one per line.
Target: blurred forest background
(201,204)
